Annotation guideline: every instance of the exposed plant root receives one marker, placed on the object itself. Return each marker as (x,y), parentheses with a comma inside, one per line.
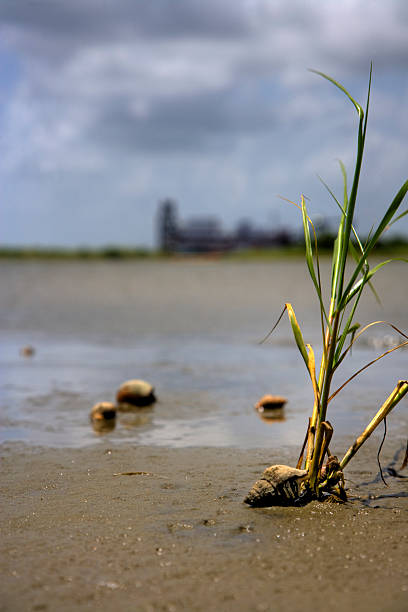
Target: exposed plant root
(405,460)
(379,451)
(281,485)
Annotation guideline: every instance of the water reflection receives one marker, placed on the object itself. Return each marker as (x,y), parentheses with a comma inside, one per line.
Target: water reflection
(138,418)
(103,417)
(102,426)
(271,416)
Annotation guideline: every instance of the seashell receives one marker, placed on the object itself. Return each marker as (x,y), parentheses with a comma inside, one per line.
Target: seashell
(27,351)
(280,485)
(270,402)
(136,393)
(103,411)
(103,416)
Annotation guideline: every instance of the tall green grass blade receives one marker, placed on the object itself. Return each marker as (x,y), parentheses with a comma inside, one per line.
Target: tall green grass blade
(350,213)
(385,221)
(353,329)
(297,334)
(356,336)
(274,327)
(353,250)
(370,233)
(367,365)
(398,218)
(370,274)
(353,195)
(356,258)
(357,290)
(337,248)
(335,264)
(343,89)
(316,280)
(368,100)
(345,190)
(308,246)
(392,209)
(342,209)
(349,323)
(309,256)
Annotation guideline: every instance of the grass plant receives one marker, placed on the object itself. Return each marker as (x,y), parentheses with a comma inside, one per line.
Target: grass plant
(351,274)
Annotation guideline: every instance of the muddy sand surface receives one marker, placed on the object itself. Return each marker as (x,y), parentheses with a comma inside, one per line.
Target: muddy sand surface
(175,535)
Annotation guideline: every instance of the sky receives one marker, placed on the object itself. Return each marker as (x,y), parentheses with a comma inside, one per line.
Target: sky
(110,106)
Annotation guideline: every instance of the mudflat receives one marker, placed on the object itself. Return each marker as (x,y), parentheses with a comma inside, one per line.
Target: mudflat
(135,528)
(149,517)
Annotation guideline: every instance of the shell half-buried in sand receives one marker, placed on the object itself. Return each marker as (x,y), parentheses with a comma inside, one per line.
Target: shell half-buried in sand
(135,393)
(280,485)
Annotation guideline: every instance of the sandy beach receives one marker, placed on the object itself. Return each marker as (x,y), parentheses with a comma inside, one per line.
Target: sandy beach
(175,535)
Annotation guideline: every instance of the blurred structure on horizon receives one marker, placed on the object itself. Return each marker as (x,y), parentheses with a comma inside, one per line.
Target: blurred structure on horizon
(205,234)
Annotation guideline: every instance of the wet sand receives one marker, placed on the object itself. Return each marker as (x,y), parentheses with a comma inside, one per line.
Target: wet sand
(176,535)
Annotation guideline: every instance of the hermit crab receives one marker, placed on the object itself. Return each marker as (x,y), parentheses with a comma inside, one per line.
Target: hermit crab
(279,485)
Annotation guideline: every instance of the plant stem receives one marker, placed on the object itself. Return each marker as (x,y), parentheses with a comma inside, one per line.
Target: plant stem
(397,394)
(324,435)
(329,369)
(313,464)
(316,407)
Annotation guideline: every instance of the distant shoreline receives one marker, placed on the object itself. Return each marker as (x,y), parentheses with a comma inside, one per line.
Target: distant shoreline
(394,248)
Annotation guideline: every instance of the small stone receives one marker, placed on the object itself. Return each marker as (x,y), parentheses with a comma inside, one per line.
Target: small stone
(135,393)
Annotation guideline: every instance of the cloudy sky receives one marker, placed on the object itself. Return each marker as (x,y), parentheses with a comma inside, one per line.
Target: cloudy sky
(108,106)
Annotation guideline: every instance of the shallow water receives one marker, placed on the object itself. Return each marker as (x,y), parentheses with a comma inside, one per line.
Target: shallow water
(192,328)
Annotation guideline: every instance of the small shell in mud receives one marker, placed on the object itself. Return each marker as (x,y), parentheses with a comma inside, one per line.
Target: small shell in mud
(103,417)
(280,485)
(136,393)
(270,402)
(27,351)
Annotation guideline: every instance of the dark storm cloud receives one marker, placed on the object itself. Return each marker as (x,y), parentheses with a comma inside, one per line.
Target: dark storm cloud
(191,122)
(99,83)
(182,72)
(90,19)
